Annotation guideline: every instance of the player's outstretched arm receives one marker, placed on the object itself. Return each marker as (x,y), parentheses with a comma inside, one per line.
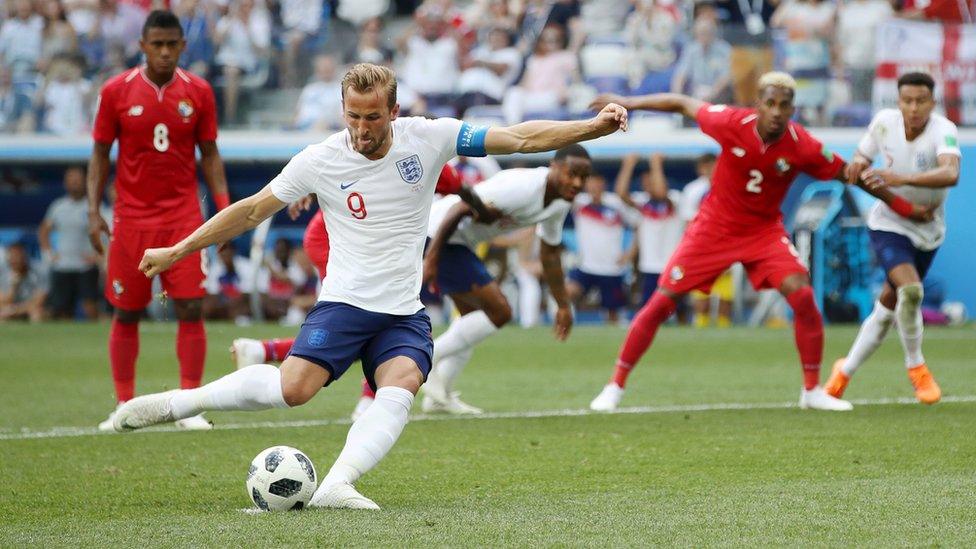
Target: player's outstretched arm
(447,228)
(237,218)
(881,191)
(552,271)
(213,173)
(662,102)
(624,175)
(548,135)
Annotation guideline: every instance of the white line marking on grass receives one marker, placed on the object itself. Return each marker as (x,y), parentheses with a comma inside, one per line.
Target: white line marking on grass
(66,432)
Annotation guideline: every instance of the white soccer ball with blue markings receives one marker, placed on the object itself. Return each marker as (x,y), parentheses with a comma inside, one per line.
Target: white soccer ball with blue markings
(281,478)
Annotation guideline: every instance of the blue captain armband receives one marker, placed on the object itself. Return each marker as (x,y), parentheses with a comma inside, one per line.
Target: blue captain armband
(471,140)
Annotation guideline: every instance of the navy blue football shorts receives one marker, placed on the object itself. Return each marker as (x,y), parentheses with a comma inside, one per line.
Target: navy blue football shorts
(893,249)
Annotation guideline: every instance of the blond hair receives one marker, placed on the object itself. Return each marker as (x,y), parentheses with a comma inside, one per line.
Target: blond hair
(777,79)
(365,77)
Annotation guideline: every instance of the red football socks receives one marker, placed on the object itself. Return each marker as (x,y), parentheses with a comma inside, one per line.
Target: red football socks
(191,350)
(123,349)
(641,334)
(276,350)
(808,330)
(368,391)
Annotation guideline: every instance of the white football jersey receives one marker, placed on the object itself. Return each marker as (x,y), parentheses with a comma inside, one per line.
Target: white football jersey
(377,210)
(886,136)
(691,198)
(519,193)
(659,231)
(600,232)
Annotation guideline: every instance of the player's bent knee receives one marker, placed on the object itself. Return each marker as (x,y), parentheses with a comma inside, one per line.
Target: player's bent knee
(188,309)
(500,314)
(296,392)
(127,317)
(911,295)
(400,372)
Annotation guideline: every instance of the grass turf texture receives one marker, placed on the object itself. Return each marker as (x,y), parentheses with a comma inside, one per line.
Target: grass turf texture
(882,475)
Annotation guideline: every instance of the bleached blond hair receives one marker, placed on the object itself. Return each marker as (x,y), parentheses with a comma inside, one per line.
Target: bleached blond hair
(777,79)
(366,77)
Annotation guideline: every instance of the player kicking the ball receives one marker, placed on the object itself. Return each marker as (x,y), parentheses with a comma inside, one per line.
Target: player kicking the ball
(922,161)
(374,182)
(524,197)
(740,221)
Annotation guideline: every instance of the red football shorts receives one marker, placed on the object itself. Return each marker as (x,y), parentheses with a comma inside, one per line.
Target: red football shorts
(128,289)
(706,251)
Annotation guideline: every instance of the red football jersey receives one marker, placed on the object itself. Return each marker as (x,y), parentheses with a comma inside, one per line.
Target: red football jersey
(449,182)
(158,129)
(751,178)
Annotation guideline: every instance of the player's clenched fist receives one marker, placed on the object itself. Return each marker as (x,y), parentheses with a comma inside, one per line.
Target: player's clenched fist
(611,118)
(157,260)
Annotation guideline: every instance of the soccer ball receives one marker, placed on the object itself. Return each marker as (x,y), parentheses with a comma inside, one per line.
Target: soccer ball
(955,311)
(281,478)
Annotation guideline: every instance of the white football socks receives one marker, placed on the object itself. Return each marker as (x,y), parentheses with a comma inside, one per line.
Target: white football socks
(909,313)
(255,387)
(446,371)
(869,337)
(464,333)
(371,436)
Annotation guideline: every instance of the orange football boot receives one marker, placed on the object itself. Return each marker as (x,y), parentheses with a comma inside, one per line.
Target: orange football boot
(838,380)
(927,391)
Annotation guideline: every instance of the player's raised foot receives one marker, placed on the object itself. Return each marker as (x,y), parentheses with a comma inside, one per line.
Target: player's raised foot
(609,398)
(246,352)
(361,406)
(144,411)
(108,426)
(194,423)
(927,391)
(818,399)
(341,496)
(838,380)
(449,404)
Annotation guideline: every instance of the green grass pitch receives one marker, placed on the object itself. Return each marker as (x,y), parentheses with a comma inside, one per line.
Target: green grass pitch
(673,472)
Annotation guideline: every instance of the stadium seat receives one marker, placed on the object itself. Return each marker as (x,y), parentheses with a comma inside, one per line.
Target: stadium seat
(655,82)
(609,84)
(485,115)
(598,60)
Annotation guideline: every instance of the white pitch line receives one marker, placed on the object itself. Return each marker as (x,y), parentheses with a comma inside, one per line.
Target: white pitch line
(67,432)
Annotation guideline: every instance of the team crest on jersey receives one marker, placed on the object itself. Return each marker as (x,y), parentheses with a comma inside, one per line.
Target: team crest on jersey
(738,151)
(117,287)
(135,110)
(782,166)
(677,273)
(410,168)
(185,108)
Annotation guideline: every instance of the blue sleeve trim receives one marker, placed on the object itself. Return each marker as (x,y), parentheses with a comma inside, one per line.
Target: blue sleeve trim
(471,140)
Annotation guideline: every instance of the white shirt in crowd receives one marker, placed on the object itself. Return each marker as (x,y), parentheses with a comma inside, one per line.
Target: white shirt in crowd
(857,23)
(886,136)
(691,198)
(320,105)
(659,231)
(600,232)
(243,41)
(66,107)
(431,67)
(303,15)
(519,193)
(377,210)
(216,271)
(486,81)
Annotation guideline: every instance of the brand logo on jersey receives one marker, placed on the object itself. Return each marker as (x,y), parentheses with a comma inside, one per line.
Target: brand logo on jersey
(738,151)
(827,154)
(135,110)
(950,141)
(410,168)
(345,186)
(185,108)
(782,166)
(317,337)
(117,287)
(716,108)
(677,273)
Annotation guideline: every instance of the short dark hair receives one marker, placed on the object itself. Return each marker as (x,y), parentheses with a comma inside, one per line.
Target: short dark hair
(917,79)
(706,158)
(575,149)
(161,19)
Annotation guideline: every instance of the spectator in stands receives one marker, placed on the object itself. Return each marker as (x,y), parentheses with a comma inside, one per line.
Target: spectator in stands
(83,16)
(370,47)
(278,280)
(73,261)
(65,98)
(120,24)
(430,62)
(320,104)
(229,284)
(15,106)
(857,24)
(703,69)
(114,64)
(485,16)
(58,38)
(545,82)
(301,21)
(358,12)
(809,25)
(605,18)
(600,218)
(20,42)
(242,37)
(537,15)
(489,71)
(197,20)
(650,31)
(23,287)
(745,25)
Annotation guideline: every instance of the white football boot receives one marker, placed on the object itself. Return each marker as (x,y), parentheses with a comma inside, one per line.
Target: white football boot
(108,426)
(144,411)
(194,423)
(341,496)
(818,399)
(246,352)
(361,407)
(609,398)
(449,403)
